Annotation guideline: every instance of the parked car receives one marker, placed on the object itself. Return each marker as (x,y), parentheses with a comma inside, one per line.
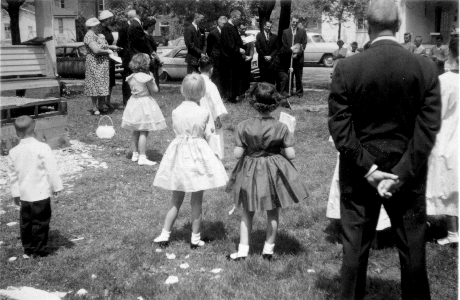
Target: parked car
(71,58)
(175,68)
(163,50)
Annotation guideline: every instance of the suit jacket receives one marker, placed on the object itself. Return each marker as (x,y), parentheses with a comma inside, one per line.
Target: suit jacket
(213,45)
(231,42)
(122,41)
(266,48)
(195,41)
(384,114)
(137,43)
(300,38)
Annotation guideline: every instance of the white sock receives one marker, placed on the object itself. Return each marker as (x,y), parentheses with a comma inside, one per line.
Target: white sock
(142,156)
(164,236)
(196,238)
(268,248)
(243,250)
(451,234)
(135,153)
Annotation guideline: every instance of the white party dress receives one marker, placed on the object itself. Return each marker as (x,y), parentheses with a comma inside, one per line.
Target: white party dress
(189,164)
(142,112)
(442,179)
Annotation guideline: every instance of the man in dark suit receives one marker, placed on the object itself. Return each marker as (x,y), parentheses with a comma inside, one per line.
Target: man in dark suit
(384,113)
(231,57)
(136,43)
(213,49)
(195,40)
(266,46)
(292,36)
(248,46)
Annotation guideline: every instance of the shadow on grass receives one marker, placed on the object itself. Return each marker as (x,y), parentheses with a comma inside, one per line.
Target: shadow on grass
(211,231)
(376,288)
(56,240)
(152,154)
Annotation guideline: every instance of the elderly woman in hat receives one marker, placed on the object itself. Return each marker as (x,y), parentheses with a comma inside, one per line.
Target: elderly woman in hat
(97,63)
(106,19)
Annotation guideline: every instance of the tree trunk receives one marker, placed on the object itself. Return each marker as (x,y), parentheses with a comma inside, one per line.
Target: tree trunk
(285,18)
(340,29)
(265,10)
(13,12)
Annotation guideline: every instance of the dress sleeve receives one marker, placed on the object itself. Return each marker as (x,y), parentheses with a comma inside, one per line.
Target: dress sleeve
(239,136)
(288,137)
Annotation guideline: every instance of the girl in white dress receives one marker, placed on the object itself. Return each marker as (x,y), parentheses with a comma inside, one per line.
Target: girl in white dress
(189,164)
(213,103)
(442,180)
(142,113)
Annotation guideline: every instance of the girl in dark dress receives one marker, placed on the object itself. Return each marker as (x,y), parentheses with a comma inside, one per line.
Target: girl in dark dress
(264,178)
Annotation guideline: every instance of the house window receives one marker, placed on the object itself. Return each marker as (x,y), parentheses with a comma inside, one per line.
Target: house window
(101,4)
(59,3)
(360,23)
(7,31)
(61,25)
(164,28)
(437,18)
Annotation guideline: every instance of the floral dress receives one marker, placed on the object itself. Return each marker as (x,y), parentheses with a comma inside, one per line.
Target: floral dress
(96,67)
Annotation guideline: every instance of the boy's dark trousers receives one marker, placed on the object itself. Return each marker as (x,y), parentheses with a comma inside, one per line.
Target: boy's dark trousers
(34,221)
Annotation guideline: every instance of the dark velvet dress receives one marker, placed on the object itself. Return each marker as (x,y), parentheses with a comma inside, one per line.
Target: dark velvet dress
(109,38)
(263,179)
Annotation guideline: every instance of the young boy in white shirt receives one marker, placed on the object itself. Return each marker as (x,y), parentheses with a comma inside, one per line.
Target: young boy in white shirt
(32,170)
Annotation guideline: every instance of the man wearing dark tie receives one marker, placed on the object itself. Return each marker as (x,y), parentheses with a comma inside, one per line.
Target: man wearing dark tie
(266,46)
(194,39)
(213,49)
(292,36)
(384,113)
(231,57)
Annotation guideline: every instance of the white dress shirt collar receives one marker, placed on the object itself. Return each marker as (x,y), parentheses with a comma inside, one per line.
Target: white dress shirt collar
(385,37)
(218,29)
(139,21)
(194,25)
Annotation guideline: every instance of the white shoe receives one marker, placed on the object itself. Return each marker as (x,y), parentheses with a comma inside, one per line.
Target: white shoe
(450,239)
(143,161)
(135,156)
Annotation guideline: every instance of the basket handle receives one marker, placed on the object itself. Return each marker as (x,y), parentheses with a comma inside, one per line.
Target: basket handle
(99,123)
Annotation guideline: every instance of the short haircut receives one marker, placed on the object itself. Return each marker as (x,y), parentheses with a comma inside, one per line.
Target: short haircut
(235,13)
(408,34)
(354,44)
(193,87)
(264,98)
(222,19)
(268,21)
(418,37)
(340,41)
(24,125)
(197,15)
(150,21)
(140,63)
(440,37)
(205,63)
(383,15)
(453,47)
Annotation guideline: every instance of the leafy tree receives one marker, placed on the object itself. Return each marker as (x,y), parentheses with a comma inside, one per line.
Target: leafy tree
(307,10)
(12,7)
(340,11)
(285,18)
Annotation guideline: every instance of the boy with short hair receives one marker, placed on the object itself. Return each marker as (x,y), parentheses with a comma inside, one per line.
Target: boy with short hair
(32,170)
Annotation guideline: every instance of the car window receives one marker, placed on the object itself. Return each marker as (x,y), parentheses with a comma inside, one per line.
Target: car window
(181,42)
(181,54)
(318,39)
(82,50)
(309,40)
(60,52)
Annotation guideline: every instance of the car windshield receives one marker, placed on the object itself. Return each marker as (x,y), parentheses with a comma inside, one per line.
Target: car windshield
(317,39)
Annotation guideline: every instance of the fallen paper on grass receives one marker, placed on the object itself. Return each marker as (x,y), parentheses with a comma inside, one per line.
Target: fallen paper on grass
(81,292)
(215,271)
(158,250)
(310,271)
(172,279)
(1,243)
(170,255)
(11,223)
(140,298)
(77,239)
(187,256)
(59,294)
(93,276)
(12,258)
(2,212)
(233,209)
(26,293)
(184,266)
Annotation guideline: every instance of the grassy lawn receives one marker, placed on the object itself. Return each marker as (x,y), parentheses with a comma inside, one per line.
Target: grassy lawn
(118,213)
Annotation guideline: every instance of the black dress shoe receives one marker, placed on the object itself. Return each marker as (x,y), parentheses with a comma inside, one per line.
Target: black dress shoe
(268,257)
(228,256)
(162,244)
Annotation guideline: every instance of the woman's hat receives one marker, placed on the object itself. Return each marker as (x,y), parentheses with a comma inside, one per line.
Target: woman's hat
(91,22)
(105,14)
